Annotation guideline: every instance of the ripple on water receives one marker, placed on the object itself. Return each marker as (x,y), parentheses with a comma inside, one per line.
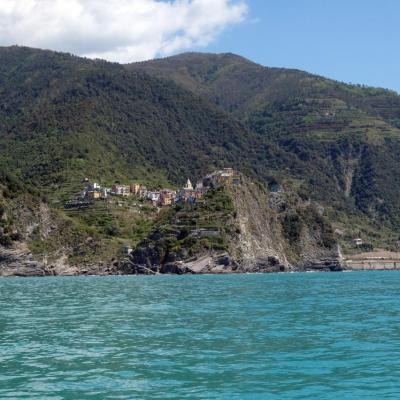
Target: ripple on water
(281,336)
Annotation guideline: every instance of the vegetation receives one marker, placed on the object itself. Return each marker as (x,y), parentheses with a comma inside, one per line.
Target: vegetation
(338,141)
(188,230)
(64,118)
(11,191)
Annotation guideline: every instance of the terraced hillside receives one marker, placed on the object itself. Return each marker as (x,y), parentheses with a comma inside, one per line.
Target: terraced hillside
(238,229)
(65,118)
(339,142)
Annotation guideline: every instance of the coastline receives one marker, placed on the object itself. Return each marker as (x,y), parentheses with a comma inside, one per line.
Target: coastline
(34,269)
(19,261)
(33,275)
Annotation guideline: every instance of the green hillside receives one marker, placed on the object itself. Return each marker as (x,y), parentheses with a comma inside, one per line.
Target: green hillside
(242,86)
(64,118)
(339,142)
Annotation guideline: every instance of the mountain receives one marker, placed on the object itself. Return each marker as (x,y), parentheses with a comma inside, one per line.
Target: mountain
(65,119)
(242,87)
(340,142)
(64,116)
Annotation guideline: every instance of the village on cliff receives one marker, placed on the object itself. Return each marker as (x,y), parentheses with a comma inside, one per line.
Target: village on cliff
(158,198)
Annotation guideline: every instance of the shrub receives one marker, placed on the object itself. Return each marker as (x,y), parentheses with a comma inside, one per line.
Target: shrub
(5,240)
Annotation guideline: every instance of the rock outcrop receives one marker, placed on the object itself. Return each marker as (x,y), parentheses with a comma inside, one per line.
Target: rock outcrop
(235,230)
(259,237)
(295,236)
(18,261)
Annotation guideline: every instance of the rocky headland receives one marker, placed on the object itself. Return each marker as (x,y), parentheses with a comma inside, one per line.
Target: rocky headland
(242,228)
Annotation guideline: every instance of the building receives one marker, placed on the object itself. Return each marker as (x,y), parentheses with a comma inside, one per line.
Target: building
(357,242)
(143,192)
(189,185)
(135,188)
(91,187)
(226,176)
(121,190)
(228,171)
(187,194)
(166,201)
(105,192)
(93,194)
(154,197)
(94,186)
(201,190)
(167,197)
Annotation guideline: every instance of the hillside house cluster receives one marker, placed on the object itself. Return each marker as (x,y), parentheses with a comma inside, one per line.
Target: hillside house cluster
(191,195)
(164,197)
(94,191)
(160,198)
(226,176)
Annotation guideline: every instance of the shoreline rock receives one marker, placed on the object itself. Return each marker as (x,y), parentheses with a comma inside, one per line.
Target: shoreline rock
(19,262)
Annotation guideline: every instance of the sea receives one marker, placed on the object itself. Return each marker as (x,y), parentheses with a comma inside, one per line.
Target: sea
(251,336)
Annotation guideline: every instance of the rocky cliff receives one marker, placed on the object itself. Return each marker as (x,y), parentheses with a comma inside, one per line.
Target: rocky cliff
(279,231)
(35,240)
(244,228)
(236,228)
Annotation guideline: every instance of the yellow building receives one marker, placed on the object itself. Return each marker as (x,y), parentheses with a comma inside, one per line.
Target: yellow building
(167,197)
(93,195)
(166,201)
(135,188)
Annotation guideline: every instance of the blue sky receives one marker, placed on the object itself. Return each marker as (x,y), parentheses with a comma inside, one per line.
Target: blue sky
(355,41)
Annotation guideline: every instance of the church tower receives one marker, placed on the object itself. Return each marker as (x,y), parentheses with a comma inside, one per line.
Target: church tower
(189,185)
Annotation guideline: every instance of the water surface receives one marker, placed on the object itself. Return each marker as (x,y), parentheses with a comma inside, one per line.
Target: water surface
(276,336)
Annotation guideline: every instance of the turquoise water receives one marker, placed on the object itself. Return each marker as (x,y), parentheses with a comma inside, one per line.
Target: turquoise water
(278,336)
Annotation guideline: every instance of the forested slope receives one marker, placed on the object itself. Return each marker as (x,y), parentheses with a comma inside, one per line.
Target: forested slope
(339,141)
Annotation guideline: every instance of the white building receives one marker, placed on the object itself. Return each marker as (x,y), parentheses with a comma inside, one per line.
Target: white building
(189,185)
(153,196)
(94,186)
(122,190)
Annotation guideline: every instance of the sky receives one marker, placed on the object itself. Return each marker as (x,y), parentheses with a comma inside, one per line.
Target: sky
(355,41)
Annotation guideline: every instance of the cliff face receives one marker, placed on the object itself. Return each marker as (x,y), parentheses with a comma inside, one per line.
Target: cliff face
(280,232)
(22,216)
(249,230)
(260,242)
(35,240)
(25,221)
(242,228)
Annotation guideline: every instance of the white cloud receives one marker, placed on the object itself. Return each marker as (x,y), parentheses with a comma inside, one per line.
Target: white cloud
(117,30)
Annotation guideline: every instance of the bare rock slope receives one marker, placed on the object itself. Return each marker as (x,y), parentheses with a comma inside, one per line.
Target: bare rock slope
(259,231)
